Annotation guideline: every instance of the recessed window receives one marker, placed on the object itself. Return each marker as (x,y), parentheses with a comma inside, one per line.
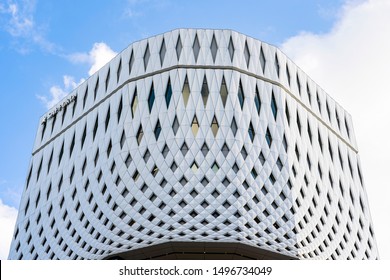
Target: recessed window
(233,127)
(262,158)
(50,160)
(184,149)
(96,89)
(308,92)
(72,144)
(297,152)
(279,164)
(257,100)
(214,126)
(71,175)
(168,93)
(37,199)
(134,103)
(62,153)
(244,153)
(247,54)
(60,182)
(360,174)
(277,65)
(163,50)
(146,156)
(119,111)
(131,61)
(274,108)
(183,182)
(146,56)
(299,123)
(43,130)
(319,140)
(254,173)
(350,166)
(223,92)
(330,149)
(231,49)
(123,139)
(225,150)
(240,95)
(215,167)
(108,115)
(214,48)
(186,91)
(194,167)
(53,122)
(205,149)
(288,75)
(108,78)
(74,106)
(327,109)
(172,193)
(48,192)
(118,71)
(195,126)
(309,131)
(319,170)
(346,127)
(109,148)
(154,170)
(85,97)
(268,137)
(272,179)
(95,127)
(175,125)
(140,134)
(205,91)
(39,168)
(128,160)
(251,132)
(308,161)
(96,157)
(27,206)
(157,130)
(361,204)
(262,59)
(165,151)
(341,159)
(179,47)
(135,175)
(151,98)
(83,136)
(196,47)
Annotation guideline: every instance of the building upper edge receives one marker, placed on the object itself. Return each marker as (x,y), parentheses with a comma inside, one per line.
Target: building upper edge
(279,80)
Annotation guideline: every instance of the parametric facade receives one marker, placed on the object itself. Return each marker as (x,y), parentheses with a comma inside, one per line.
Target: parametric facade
(195,144)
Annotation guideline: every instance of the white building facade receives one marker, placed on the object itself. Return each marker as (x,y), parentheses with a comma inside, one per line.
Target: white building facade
(195,144)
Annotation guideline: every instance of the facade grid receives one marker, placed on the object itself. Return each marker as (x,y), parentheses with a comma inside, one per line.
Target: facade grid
(190,140)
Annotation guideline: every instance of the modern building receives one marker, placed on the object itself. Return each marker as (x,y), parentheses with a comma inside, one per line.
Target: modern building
(195,144)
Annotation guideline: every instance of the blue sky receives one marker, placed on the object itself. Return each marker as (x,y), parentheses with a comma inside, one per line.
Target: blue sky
(48,47)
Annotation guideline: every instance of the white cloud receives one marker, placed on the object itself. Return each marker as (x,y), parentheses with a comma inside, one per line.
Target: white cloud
(351,62)
(20,17)
(8,217)
(57,93)
(20,24)
(97,57)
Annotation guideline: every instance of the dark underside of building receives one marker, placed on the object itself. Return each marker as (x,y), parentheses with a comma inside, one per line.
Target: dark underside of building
(199,251)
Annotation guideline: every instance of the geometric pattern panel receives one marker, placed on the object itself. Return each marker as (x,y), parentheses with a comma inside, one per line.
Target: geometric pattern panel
(195,136)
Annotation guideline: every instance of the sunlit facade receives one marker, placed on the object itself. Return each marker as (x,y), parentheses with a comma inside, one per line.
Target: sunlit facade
(195,144)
